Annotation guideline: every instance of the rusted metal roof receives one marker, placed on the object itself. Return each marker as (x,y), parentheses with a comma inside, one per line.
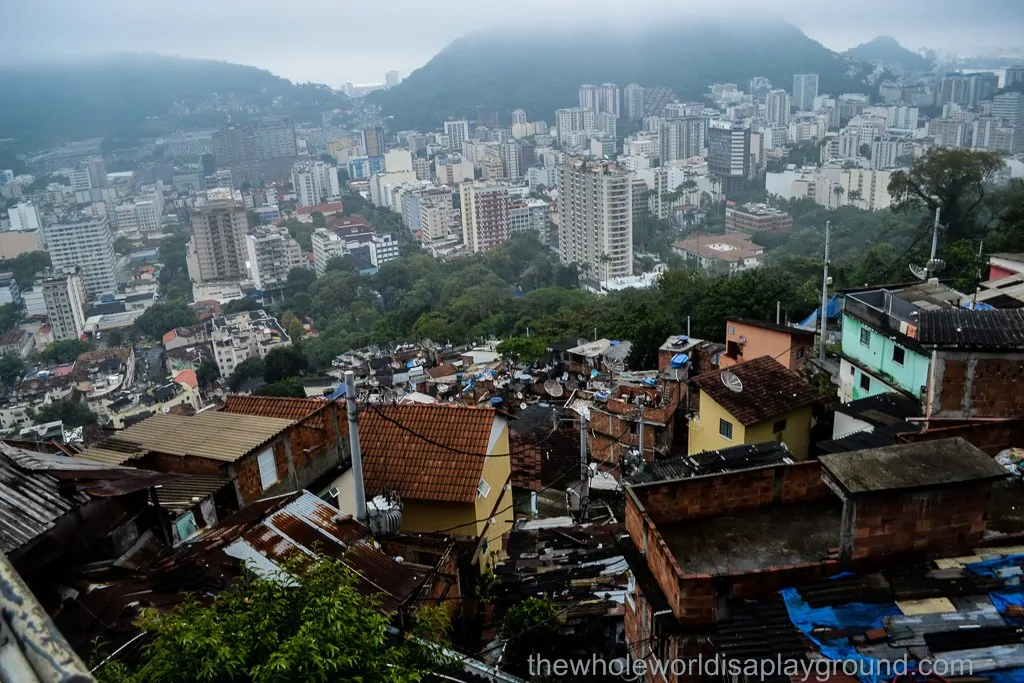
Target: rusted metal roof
(214,435)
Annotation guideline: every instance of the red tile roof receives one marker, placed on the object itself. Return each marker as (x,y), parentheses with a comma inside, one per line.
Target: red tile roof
(294,409)
(188,377)
(425,452)
(442,370)
(769,389)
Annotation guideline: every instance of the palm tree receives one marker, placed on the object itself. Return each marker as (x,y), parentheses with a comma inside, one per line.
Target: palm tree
(854,196)
(604,259)
(838,192)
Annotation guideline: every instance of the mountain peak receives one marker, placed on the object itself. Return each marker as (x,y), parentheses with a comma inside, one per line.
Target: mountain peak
(888,50)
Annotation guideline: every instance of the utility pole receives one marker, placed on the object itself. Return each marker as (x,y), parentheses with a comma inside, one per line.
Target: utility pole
(353,439)
(823,314)
(640,465)
(584,469)
(778,312)
(935,240)
(687,326)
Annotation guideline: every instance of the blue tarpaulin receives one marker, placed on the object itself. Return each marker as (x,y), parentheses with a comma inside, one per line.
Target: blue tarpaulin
(679,360)
(834,309)
(979,306)
(1002,600)
(999,568)
(338,393)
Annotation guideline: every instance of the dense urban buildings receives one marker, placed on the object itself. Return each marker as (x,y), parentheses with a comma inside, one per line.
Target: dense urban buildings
(217,250)
(596,229)
(485,214)
(86,242)
(805,89)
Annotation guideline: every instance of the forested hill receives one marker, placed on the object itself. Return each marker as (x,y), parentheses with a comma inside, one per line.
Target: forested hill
(134,94)
(888,51)
(501,70)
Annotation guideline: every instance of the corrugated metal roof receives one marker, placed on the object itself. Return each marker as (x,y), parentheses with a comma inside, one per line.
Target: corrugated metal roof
(187,491)
(962,328)
(30,503)
(213,435)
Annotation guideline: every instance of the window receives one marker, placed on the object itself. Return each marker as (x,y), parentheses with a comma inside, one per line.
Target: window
(268,468)
(779,426)
(898,355)
(800,353)
(731,330)
(482,489)
(725,429)
(865,336)
(865,382)
(853,371)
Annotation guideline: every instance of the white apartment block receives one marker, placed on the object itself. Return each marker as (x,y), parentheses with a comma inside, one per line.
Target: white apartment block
(805,89)
(435,220)
(572,120)
(457,132)
(308,191)
(24,217)
(65,300)
(529,215)
(596,218)
(683,138)
(245,335)
(778,105)
(381,181)
(485,207)
(326,245)
(383,248)
(397,160)
(807,127)
(271,254)
(633,95)
(86,242)
(885,152)
(902,117)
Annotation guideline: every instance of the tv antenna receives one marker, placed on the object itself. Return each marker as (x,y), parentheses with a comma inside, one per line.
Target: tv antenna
(934,264)
(732,382)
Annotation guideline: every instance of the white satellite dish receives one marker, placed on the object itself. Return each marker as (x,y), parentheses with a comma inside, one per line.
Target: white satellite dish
(519,394)
(919,272)
(522,406)
(732,382)
(442,388)
(553,388)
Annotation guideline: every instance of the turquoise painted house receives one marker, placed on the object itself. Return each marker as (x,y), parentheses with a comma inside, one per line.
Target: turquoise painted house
(881,353)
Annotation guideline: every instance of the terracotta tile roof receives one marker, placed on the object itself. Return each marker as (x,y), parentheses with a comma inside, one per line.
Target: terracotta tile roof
(413,449)
(294,409)
(769,389)
(442,370)
(188,377)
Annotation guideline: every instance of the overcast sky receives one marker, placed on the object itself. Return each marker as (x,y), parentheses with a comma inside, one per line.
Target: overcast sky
(334,41)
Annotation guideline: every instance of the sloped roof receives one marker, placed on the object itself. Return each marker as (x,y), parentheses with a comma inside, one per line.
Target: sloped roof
(785,329)
(425,452)
(963,328)
(213,435)
(280,407)
(769,389)
(442,370)
(187,377)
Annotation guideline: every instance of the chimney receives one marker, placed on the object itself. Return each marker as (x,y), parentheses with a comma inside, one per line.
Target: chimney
(929,497)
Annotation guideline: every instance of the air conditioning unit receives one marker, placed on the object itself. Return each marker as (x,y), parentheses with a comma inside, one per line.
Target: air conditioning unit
(743,340)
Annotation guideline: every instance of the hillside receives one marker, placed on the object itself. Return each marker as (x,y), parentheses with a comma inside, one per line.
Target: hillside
(503,70)
(888,51)
(134,94)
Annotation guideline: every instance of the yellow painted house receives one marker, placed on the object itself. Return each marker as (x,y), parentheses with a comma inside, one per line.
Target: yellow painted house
(752,402)
(450,466)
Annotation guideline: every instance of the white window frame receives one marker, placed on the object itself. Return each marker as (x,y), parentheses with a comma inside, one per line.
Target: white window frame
(483,489)
(721,428)
(264,461)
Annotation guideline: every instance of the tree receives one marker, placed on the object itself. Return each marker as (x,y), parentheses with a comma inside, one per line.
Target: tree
(65,351)
(72,413)
(319,628)
(319,221)
(115,338)
(161,318)
(122,245)
(207,373)
(253,218)
(11,369)
(838,192)
(288,388)
(246,303)
(865,151)
(300,279)
(525,350)
(955,181)
(10,314)
(283,362)
(530,629)
(293,327)
(244,371)
(854,196)
(437,327)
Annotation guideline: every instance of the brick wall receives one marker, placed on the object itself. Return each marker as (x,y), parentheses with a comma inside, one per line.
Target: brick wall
(947,520)
(162,462)
(730,492)
(247,473)
(977,385)
(991,437)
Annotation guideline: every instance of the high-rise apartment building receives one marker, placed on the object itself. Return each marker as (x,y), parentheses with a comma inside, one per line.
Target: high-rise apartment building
(607,123)
(1009,108)
(271,253)
(485,207)
(729,157)
(457,132)
(885,152)
(1013,75)
(589,97)
(219,226)
(87,242)
(373,141)
(573,120)
(271,137)
(683,138)
(596,217)
(778,104)
(391,79)
(609,99)
(805,89)
(308,191)
(902,117)
(633,96)
(518,117)
(511,155)
(327,244)
(65,299)
(966,89)
(80,179)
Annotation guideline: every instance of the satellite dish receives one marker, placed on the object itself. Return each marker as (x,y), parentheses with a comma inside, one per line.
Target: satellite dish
(565,376)
(553,388)
(519,394)
(919,272)
(522,406)
(732,382)
(442,388)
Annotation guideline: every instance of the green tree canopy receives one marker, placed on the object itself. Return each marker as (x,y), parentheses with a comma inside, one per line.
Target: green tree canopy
(244,371)
(283,362)
(319,629)
(246,303)
(525,350)
(290,387)
(65,351)
(71,413)
(11,369)
(161,318)
(207,373)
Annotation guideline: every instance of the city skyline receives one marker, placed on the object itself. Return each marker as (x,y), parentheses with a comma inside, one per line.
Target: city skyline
(50,30)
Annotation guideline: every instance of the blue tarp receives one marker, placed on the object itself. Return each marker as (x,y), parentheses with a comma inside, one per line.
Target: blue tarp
(679,360)
(980,306)
(834,311)
(337,393)
(1002,600)
(999,568)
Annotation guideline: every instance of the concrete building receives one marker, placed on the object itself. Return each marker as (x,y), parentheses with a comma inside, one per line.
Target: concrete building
(326,245)
(966,89)
(397,160)
(485,221)
(902,117)
(756,218)
(589,98)
(729,155)
(24,217)
(271,253)
(573,120)
(219,226)
(392,79)
(633,96)
(65,300)
(682,138)
(373,141)
(606,122)
(730,253)
(383,248)
(988,132)
(609,99)
(805,89)
(457,132)
(885,152)
(518,117)
(80,179)
(1009,108)
(596,218)
(948,132)
(87,242)
(251,334)
(435,219)
(364,168)
(307,186)
(778,104)
(529,215)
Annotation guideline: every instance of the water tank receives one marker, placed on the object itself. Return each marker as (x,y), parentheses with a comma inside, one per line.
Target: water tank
(384,517)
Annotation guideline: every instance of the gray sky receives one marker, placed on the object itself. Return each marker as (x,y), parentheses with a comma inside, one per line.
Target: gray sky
(334,41)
